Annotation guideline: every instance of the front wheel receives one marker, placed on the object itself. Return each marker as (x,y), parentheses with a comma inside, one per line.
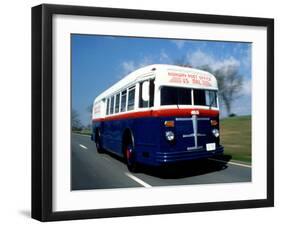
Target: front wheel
(130,158)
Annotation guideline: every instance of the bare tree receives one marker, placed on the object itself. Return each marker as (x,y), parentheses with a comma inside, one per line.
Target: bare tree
(75,121)
(89,111)
(230,84)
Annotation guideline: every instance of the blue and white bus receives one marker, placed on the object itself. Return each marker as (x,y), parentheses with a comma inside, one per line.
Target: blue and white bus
(159,114)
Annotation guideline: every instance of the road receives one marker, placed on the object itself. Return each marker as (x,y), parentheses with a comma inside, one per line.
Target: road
(91,170)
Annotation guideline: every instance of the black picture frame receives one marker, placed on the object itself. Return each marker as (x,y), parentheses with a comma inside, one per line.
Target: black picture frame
(42,111)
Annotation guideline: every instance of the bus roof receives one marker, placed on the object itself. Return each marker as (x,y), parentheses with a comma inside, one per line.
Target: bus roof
(176,75)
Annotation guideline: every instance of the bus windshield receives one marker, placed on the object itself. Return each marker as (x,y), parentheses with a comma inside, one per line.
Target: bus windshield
(175,96)
(182,96)
(205,97)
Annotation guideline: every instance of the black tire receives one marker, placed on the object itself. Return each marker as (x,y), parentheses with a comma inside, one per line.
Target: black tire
(98,143)
(129,155)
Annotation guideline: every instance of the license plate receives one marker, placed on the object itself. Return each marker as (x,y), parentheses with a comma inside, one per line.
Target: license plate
(211,146)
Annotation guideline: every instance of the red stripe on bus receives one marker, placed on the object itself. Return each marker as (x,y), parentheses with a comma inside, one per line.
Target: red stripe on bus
(159,113)
(184,112)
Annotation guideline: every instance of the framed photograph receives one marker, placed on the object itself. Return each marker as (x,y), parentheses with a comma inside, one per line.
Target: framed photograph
(139,112)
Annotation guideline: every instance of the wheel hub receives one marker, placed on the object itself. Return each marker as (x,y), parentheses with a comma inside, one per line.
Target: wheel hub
(128,153)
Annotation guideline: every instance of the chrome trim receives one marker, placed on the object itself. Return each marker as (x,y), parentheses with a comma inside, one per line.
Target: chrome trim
(183,119)
(194,118)
(201,134)
(192,135)
(203,118)
(195,128)
(188,135)
(188,119)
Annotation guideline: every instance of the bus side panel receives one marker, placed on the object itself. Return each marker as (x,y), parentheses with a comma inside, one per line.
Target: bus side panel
(145,133)
(113,134)
(116,139)
(147,139)
(107,135)
(95,125)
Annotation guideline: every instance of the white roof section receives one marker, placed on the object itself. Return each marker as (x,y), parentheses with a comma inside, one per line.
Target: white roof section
(165,74)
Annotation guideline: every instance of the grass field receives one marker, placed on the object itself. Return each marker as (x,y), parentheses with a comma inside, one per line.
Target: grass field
(236,137)
(83,131)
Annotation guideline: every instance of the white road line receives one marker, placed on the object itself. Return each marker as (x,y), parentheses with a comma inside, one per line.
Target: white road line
(233,163)
(82,146)
(138,180)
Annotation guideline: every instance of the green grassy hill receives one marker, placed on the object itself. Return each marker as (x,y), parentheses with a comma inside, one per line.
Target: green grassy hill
(236,137)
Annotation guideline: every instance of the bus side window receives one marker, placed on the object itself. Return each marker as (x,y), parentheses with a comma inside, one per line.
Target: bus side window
(111,104)
(150,102)
(131,98)
(142,103)
(117,103)
(107,106)
(123,100)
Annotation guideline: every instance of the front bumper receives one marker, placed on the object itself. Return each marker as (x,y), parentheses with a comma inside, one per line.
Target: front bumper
(171,157)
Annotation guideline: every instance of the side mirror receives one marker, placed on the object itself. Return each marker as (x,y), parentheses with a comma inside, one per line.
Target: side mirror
(145,91)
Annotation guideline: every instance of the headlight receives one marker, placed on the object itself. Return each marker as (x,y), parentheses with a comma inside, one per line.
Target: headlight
(170,136)
(216,132)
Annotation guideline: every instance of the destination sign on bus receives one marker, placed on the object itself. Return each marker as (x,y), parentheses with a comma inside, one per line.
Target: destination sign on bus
(190,78)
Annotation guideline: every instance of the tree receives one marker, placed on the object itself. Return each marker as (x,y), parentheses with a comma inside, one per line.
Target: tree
(75,121)
(89,111)
(230,84)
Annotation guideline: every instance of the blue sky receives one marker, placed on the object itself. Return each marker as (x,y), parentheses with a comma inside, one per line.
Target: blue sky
(100,61)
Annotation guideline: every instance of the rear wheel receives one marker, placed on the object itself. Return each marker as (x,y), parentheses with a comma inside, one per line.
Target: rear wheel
(98,143)
(130,157)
